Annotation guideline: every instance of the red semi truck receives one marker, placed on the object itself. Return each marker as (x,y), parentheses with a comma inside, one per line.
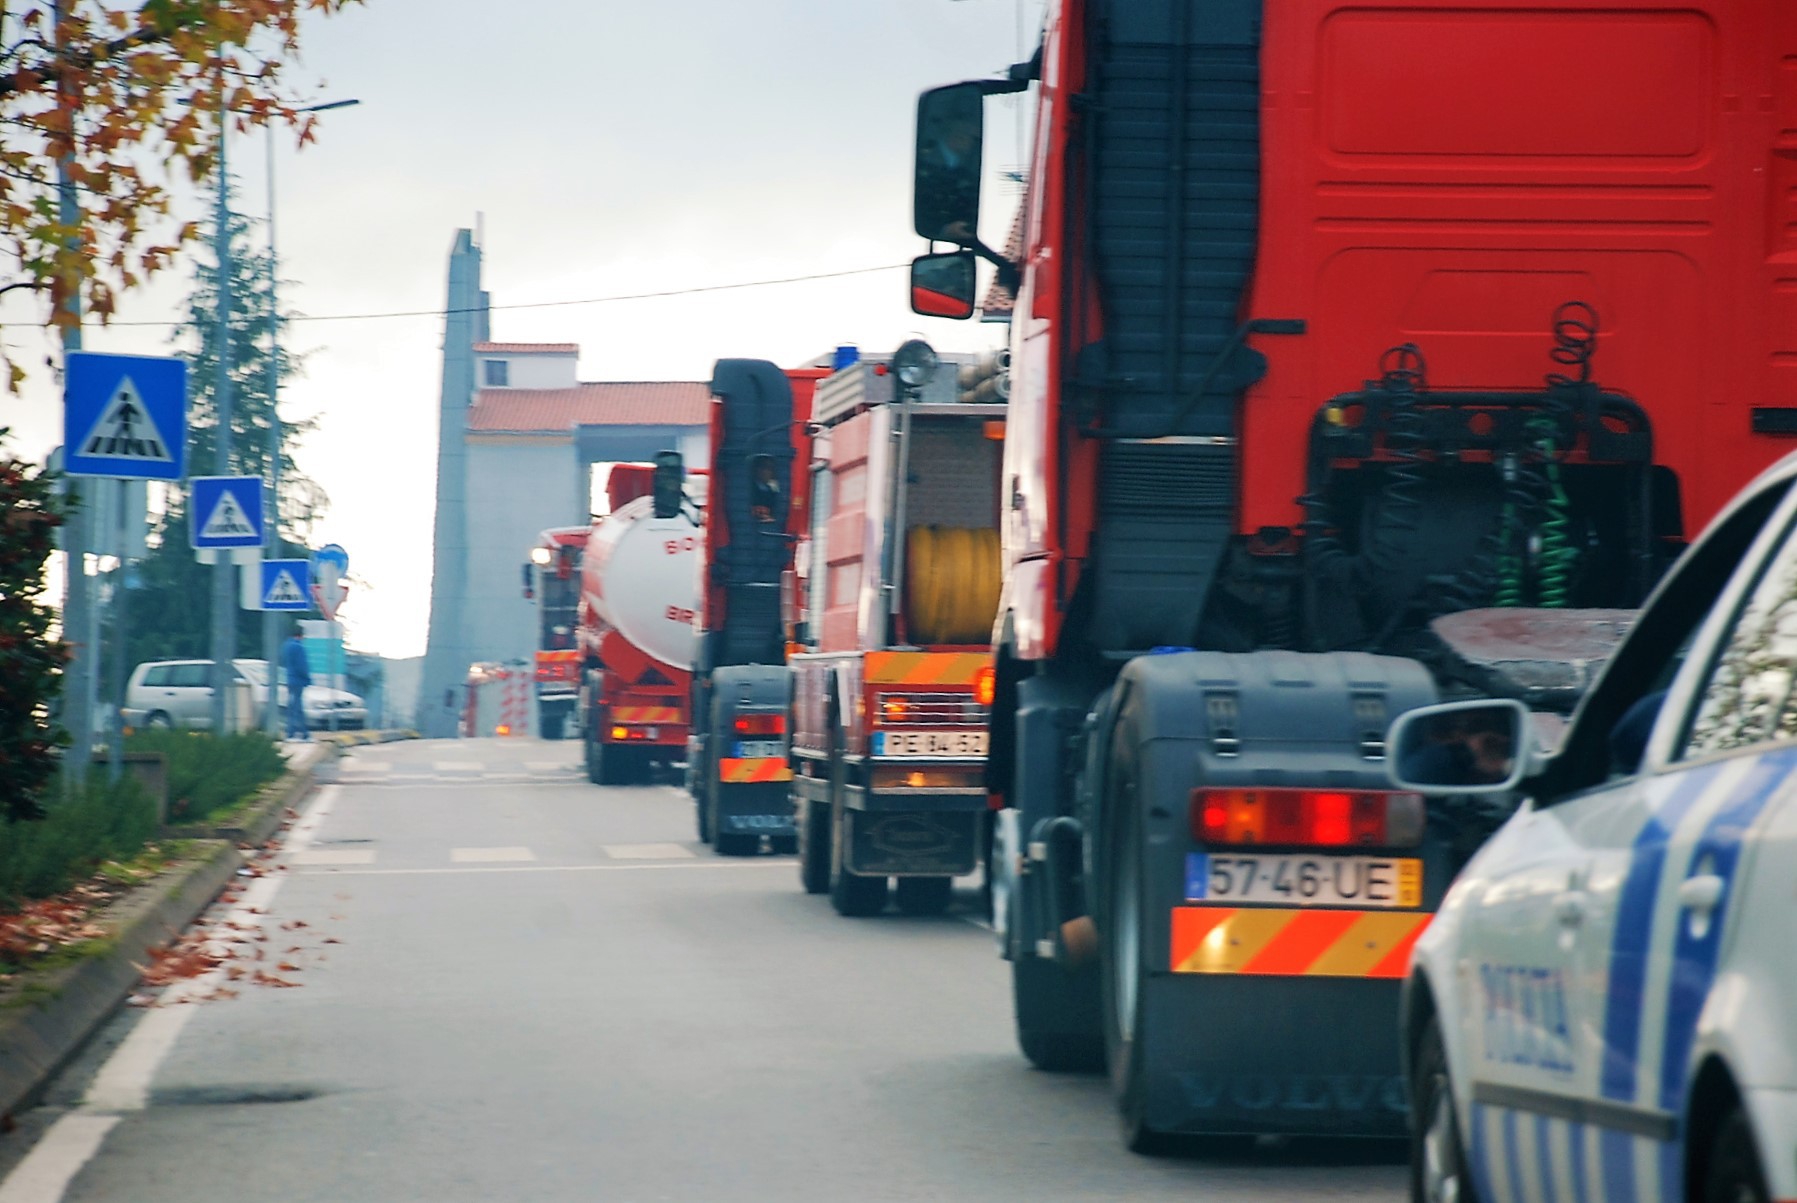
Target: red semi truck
(639,589)
(1360,355)
(756,511)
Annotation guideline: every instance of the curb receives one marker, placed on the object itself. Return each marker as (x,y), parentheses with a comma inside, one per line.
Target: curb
(352,739)
(38,1038)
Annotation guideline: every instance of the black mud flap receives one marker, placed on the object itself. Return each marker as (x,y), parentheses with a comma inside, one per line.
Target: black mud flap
(941,843)
(1306,1056)
(755,808)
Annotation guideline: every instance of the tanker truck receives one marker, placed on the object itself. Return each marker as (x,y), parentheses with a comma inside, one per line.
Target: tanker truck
(639,589)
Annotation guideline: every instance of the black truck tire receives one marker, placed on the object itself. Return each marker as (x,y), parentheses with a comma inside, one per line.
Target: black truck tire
(591,754)
(924,895)
(814,845)
(1122,949)
(852,895)
(1056,1014)
(702,811)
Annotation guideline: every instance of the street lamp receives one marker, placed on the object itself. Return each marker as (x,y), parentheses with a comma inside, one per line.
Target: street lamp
(271,619)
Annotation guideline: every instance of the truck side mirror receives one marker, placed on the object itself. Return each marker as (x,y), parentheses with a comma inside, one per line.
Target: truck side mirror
(529,584)
(946,191)
(943,285)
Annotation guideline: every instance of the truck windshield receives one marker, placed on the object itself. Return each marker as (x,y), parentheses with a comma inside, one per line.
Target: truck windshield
(561,599)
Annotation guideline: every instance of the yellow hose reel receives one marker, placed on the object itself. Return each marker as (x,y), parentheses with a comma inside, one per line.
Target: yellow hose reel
(952,579)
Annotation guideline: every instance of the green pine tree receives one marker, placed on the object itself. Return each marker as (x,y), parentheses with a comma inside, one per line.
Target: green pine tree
(170,618)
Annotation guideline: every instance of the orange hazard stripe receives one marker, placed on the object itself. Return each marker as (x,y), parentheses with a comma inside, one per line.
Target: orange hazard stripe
(645,714)
(924,668)
(1276,942)
(747,770)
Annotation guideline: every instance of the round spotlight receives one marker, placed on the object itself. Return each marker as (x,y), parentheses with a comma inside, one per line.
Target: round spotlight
(914,363)
(541,556)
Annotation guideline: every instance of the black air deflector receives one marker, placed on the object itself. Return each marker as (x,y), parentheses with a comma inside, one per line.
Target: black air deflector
(751,486)
(1170,140)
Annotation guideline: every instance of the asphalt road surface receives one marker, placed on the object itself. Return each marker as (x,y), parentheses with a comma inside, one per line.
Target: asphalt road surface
(513,985)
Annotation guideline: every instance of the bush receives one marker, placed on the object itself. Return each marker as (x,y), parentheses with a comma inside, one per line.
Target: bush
(42,857)
(208,775)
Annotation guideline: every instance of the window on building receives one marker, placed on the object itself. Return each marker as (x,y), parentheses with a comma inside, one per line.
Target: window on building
(497,373)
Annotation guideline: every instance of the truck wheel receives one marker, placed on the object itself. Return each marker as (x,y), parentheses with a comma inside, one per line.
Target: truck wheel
(595,766)
(1123,936)
(851,894)
(1438,1170)
(814,846)
(1734,1174)
(702,809)
(924,895)
(551,722)
(1056,1013)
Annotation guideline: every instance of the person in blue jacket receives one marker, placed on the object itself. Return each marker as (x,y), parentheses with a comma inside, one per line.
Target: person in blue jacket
(299,675)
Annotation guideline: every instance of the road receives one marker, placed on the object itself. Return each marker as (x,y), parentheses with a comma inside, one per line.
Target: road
(512,984)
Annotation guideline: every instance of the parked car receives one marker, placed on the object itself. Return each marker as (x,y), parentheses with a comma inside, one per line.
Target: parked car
(1605,995)
(178,693)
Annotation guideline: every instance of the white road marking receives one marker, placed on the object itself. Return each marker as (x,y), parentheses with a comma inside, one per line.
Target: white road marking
(333,856)
(646,866)
(123,1081)
(469,856)
(456,766)
(549,766)
(373,767)
(49,1168)
(648,851)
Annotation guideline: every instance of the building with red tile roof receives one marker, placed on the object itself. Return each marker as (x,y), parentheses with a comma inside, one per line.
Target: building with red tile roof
(523,444)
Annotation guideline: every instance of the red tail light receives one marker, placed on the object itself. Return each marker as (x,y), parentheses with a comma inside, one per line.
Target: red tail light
(1317,818)
(761,724)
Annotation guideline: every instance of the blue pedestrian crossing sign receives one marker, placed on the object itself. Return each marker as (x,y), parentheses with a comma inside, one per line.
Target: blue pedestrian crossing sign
(125,416)
(224,511)
(286,585)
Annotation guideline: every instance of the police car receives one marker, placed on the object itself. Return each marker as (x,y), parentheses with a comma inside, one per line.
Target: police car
(1604,1009)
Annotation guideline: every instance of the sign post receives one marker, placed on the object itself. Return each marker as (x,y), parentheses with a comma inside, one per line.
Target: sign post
(124,419)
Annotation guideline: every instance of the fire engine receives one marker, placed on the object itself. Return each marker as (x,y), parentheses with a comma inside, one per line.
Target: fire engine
(552,579)
(902,578)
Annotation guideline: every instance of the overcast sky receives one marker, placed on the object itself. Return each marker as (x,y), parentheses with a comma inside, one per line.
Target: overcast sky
(614,148)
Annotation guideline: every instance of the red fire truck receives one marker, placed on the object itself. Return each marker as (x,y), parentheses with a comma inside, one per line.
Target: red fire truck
(552,579)
(639,589)
(889,700)
(1360,354)
(737,770)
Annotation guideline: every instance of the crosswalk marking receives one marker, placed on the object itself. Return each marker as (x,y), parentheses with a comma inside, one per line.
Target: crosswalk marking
(648,851)
(549,766)
(334,856)
(457,766)
(489,855)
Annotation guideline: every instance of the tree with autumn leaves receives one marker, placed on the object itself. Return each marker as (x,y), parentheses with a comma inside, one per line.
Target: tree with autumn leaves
(125,101)
(127,96)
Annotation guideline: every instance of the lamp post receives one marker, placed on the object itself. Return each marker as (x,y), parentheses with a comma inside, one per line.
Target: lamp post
(271,619)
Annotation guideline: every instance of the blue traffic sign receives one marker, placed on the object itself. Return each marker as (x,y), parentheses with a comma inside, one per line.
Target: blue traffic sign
(125,416)
(286,584)
(224,511)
